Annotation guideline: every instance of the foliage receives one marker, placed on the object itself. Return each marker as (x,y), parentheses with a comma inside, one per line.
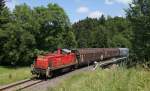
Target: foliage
(4,14)
(111,32)
(19,46)
(53,25)
(99,37)
(106,80)
(120,41)
(26,33)
(2,4)
(83,30)
(139,16)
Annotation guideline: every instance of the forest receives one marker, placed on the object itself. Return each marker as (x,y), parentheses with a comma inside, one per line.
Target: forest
(26,32)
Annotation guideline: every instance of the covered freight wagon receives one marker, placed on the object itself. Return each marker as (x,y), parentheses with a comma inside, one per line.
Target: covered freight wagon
(89,55)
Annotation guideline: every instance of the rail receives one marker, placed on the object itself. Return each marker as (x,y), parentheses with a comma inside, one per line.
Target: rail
(20,85)
(105,63)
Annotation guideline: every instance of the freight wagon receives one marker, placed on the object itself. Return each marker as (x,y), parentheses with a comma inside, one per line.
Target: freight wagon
(46,65)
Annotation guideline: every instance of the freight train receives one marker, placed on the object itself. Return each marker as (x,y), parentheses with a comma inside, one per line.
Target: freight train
(46,65)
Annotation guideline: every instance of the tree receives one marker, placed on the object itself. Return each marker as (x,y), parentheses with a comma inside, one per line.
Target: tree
(103,32)
(99,37)
(119,41)
(83,31)
(102,20)
(4,20)
(4,14)
(30,32)
(139,16)
(19,47)
(53,25)
(69,40)
(2,4)
(119,27)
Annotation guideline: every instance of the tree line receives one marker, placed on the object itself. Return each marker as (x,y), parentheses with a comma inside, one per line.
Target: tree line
(26,33)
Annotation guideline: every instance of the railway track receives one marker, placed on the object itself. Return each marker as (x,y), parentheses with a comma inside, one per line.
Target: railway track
(29,83)
(20,85)
(25,84)
(50,83)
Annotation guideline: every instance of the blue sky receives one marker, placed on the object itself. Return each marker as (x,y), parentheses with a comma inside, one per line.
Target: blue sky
(80,9)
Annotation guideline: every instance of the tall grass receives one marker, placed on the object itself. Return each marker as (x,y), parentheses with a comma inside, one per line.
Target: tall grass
(107,80)
(9,75)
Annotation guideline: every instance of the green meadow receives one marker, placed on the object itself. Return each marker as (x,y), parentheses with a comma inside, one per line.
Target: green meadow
(119,79)
(10,75)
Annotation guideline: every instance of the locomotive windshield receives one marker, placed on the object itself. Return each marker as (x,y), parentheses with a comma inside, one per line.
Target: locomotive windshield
(66,51)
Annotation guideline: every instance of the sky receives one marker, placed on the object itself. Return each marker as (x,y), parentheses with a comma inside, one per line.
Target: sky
(80,9)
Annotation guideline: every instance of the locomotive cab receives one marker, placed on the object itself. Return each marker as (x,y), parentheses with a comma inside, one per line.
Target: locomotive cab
(40,66)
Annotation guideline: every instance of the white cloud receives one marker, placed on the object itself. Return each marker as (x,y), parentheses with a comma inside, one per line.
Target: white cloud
(95,14)
(121,15)
(124,1)
(109,1)
(11,4)
(83,9)
(118,1)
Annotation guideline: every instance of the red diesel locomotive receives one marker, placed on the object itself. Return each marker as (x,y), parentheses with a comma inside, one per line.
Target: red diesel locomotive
(45,65)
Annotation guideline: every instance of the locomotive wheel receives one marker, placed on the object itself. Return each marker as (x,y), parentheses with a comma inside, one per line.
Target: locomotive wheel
(41,76)
(76,66)
(50,75)
(72,67)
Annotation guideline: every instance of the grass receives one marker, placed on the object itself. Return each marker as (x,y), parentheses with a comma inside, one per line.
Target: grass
(107,80)
(10,75)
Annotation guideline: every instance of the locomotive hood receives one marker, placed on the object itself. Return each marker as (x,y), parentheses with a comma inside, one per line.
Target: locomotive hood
(43,62)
